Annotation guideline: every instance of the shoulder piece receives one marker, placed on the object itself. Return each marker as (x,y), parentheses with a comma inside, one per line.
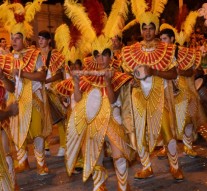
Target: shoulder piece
(56,61)
(91,64)
(198,58)
(65,87)
(29,60)
(186,57)
(119,79)
(160,58)
(6,64)
(87,82)
(116,64)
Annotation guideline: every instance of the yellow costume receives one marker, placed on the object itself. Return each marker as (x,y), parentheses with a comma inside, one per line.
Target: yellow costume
(188,110)
(93,117)
(16,20)
(151,104)
(56,63)
(32,115)
(91,120)
(68,42)
(6,182)
(7,173)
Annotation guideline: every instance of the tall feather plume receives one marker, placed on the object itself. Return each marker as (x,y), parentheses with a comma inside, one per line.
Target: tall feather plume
(149,5)
(188,25)
(158,7)
(31,8)
(3,15)
(7,16)
(62,39)
(181,38)
(76,37)
(130,24)
(76,12)
(138,7)
(117,18)
(181,17)
(96,14)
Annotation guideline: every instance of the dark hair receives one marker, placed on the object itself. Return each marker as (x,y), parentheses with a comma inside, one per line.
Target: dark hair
(104,53)
(95,53)
(44,34)
(20,34)
(169,32)
(78,62)
(2,39)
(150,24)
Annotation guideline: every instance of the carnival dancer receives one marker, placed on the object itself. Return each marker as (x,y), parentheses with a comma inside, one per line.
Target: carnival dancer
(54,62)
(189,113)
(96,113)
(6,179)
(29,73)
(3,46)
(151,62)
(69,41)
(6,85)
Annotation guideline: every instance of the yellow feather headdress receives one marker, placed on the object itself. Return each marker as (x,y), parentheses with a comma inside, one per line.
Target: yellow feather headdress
(147,12)
(187,28)
(112,27)
(117,18)
(63,39)
(16,18)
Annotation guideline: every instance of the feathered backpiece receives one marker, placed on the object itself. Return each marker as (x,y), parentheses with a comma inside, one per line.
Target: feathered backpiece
(76,12)
(181,17)
(96,14)
(16,18)
(147,11)
(68,42)
(93,24)
(187,27)
(117,18)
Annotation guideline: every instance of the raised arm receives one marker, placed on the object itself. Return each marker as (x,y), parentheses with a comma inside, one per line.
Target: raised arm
(110,91)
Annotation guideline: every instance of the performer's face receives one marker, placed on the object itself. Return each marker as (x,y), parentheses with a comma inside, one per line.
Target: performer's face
(43,42)
(165,38)
(3,43)
(103,61)
(148,32)
(117,44)
(17,42)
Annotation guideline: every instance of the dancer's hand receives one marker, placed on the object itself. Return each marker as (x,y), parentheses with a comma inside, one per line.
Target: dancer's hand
(108,76)
(13,109)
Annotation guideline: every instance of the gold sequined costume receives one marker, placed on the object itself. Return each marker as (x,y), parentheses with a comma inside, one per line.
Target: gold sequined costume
(150,102)
(59,111)
(189,111)
(32,117)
